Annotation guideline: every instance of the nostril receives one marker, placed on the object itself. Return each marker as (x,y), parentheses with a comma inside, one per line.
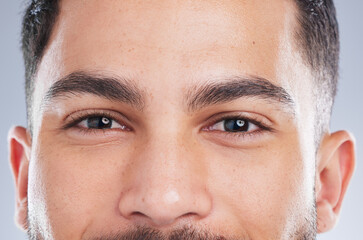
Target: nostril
(138,214)
(189,215)
(160,220)
(139,218)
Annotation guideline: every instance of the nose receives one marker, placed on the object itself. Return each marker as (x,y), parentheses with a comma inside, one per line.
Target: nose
(166,185)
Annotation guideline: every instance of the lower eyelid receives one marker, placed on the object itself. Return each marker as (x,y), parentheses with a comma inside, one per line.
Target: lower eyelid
(237,139)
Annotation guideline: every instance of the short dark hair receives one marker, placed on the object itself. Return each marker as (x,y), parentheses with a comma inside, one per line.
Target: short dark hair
(317,34)
(38,21)
(318,38)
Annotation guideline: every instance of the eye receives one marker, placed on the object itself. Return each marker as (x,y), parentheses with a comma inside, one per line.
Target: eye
(99,122)
(234,125)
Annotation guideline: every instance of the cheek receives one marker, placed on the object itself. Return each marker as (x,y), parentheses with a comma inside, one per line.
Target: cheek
(74,184)
(263,188)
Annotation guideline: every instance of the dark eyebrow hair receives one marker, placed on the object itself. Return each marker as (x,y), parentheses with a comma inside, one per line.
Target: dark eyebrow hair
(109,87)
(218,92)
(124,90)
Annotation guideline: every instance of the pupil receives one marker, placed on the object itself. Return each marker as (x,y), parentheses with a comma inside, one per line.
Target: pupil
(99,122)
(236,125)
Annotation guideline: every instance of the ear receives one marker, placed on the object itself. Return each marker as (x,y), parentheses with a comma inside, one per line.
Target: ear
(335,167)
(19,152)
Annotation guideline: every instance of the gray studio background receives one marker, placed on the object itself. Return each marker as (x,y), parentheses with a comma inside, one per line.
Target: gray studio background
(347,113)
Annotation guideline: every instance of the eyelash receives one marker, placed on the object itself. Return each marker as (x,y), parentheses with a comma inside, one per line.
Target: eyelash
(79,117)
(262,127)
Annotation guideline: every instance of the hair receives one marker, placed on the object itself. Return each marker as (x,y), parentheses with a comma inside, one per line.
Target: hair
(38,21)
(317,37)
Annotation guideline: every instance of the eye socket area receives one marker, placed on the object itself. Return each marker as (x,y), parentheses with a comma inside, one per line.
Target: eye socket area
(96,121)
(100,122)
(234,125)
(238,124)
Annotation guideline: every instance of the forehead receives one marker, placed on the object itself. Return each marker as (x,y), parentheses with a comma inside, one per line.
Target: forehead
(169,43)
(112,35)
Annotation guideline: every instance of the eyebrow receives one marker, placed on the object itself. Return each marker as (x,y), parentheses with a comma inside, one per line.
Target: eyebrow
(214,92)
(218,92)
(109,87)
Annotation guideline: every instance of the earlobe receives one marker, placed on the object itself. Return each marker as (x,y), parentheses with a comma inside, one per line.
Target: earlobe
(335,167)
(19,152)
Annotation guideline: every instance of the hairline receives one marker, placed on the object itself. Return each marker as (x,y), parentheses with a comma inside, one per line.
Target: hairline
(298,46)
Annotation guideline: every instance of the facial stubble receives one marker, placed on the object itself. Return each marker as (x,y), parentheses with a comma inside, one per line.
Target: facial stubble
(306,231)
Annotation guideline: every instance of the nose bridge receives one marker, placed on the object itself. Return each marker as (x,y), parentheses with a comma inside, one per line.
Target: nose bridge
(167,182)
(169,162)
(169,149)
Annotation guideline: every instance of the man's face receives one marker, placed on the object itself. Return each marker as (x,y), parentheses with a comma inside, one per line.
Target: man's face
(173,115)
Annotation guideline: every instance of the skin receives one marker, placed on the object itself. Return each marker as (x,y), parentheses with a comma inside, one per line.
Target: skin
(163,166)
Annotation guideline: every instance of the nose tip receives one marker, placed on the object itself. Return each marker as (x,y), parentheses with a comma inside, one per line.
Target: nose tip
(168,208)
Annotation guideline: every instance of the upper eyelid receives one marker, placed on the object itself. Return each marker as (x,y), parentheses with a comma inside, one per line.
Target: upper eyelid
(240,114)
(95,111)
(219,118)
(78,117)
